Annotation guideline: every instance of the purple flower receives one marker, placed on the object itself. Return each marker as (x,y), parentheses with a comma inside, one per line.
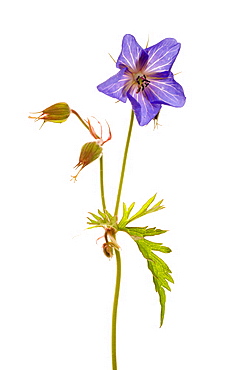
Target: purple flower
(145,78)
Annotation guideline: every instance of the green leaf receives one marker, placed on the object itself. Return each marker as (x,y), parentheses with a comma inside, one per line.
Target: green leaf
(103,215)
(126,213)
(105,219)
(144,210)
(160,270)
(145,231)
(95,216)
(162,297)
(161,248)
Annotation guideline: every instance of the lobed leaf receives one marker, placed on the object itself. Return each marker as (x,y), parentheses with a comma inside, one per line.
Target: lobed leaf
(162,297)
(144,210)
(145,231)
(159,269)
(126,212)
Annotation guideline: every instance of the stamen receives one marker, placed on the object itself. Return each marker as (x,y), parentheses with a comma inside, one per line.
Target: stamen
(142,82)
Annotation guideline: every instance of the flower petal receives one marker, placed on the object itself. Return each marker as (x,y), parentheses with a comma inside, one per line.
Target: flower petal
(166,91)
(132,55)
(162,55)
(115,86)
(144,110)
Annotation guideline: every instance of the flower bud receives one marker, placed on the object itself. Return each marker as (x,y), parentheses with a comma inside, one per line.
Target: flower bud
(108,250)
(89,153)
(55,113)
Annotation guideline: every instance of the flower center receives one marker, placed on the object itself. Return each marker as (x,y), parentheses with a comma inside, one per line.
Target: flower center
(142,83)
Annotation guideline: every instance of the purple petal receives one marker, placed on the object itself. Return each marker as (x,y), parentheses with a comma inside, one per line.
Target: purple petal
(162,55)
(144,110)
(132,54)
(115,85)
(166,91)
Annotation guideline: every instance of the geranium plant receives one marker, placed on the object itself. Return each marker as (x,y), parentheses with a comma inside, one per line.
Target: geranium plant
(145,79)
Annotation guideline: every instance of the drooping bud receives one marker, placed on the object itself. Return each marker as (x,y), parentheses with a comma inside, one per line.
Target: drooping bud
(55,113)
(89,153)
(110,242)
(110,233)
(108,250)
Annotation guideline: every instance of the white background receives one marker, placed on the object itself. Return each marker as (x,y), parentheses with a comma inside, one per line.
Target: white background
(56,285)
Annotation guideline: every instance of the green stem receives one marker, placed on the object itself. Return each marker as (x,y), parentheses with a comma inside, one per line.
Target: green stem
(115,307)
(124,164)
(117,253)
(102,185)
(101,163)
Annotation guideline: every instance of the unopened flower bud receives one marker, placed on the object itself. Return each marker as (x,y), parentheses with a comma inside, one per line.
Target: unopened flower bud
(55,113)
(89,153)
(108,250)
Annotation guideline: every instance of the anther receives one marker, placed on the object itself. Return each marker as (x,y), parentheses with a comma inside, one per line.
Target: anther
(142,82)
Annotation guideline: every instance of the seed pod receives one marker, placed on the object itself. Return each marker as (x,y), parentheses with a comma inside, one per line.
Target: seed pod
(89,153)
(55,113)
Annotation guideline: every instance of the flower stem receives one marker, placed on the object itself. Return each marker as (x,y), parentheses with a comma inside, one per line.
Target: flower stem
(101,163)
(81,120)
(124,164)
(117,253)
(102,184)
(115,307)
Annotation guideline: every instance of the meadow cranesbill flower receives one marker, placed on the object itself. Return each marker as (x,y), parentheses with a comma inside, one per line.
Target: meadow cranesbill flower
(145,78)
(55,113)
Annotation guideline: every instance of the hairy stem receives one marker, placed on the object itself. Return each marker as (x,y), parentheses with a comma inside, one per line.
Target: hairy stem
(102,184)
(115,308)
(124,164)
(117,253)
